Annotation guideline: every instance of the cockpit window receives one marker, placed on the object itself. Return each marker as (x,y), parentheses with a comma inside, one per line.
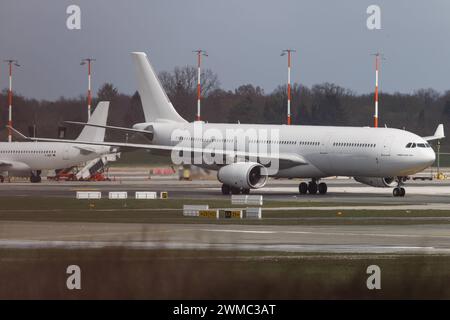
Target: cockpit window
(421,145)
(413,145)
(409,145)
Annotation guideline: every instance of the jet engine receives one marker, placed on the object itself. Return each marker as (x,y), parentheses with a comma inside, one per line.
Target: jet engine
(246,175)
(377,181)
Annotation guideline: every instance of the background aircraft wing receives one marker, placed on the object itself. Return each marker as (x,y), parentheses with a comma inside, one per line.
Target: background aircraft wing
(286,160)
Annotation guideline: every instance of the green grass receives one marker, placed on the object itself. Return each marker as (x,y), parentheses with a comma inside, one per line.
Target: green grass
(117,273)
(165,216)
(59,203)
(141,158)
(444,160)
(170,211)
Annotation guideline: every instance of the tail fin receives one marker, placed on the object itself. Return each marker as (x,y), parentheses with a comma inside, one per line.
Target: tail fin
(98,117)
(156,104)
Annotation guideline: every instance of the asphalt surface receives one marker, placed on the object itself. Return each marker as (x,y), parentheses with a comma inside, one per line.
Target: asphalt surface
(433,239)
(389,238)
(339,190)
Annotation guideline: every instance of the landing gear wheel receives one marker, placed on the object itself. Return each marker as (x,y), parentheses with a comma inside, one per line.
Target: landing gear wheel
(303,188)
(35,179)
(402,192)
(322,188)
(2,179)
(397,192)
(225,189)
(245,191)
(312,188)
(35,176)
(235,190)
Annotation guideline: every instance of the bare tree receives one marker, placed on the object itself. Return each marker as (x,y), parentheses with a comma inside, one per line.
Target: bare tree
(183,81)
(107,92)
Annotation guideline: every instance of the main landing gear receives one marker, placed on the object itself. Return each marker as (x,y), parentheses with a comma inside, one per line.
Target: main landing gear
(35,176)
(226,189)
(399,191)
(312,187)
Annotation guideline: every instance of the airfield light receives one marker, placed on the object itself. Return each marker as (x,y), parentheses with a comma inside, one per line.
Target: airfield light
(10,95)
(288,53)
(88,61)
(199,53)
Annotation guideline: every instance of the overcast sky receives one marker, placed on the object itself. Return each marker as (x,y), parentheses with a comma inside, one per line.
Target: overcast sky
(243,38)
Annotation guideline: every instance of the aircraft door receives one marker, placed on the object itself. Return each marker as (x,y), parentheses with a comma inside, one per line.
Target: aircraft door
(384,158)
(66,151)
(386,147)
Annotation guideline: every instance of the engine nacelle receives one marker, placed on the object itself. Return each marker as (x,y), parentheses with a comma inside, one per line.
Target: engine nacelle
(377,181)
(148,127)
(246,175)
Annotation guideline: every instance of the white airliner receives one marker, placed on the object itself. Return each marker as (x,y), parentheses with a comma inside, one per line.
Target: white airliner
(379,157)
(30,158)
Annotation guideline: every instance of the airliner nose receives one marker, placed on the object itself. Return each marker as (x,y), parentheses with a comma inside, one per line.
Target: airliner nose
(429,157)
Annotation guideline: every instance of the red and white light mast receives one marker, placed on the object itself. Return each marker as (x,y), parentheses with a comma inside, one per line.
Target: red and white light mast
(199,53)
(378,57)
(88,61)
(288,53)
(10,96)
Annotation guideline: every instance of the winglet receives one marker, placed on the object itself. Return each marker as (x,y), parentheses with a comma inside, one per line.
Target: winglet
(438,134)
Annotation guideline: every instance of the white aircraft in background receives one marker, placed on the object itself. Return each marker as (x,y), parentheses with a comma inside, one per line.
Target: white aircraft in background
(30,158)
(379,157)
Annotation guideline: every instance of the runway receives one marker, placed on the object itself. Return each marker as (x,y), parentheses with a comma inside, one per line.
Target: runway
(433,239)
(334,234)
(339,190)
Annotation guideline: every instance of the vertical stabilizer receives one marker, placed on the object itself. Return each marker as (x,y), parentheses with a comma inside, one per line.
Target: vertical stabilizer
(156,104)
(98,117)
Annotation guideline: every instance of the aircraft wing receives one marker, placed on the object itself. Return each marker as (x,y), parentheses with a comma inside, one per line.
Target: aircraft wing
(286,160)
(109,127)
(438,134)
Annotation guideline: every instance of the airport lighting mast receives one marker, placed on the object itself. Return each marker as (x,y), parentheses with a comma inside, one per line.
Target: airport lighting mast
(288,53)
(10,63)
(378,57)
(88,61)
(199,53)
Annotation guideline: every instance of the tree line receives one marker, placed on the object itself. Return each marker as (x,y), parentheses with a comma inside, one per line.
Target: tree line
(321,104)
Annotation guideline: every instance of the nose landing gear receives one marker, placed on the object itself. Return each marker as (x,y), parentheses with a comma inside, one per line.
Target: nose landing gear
(399,191)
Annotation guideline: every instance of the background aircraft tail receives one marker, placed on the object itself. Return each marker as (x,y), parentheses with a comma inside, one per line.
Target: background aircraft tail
(155,102)
(98,117)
